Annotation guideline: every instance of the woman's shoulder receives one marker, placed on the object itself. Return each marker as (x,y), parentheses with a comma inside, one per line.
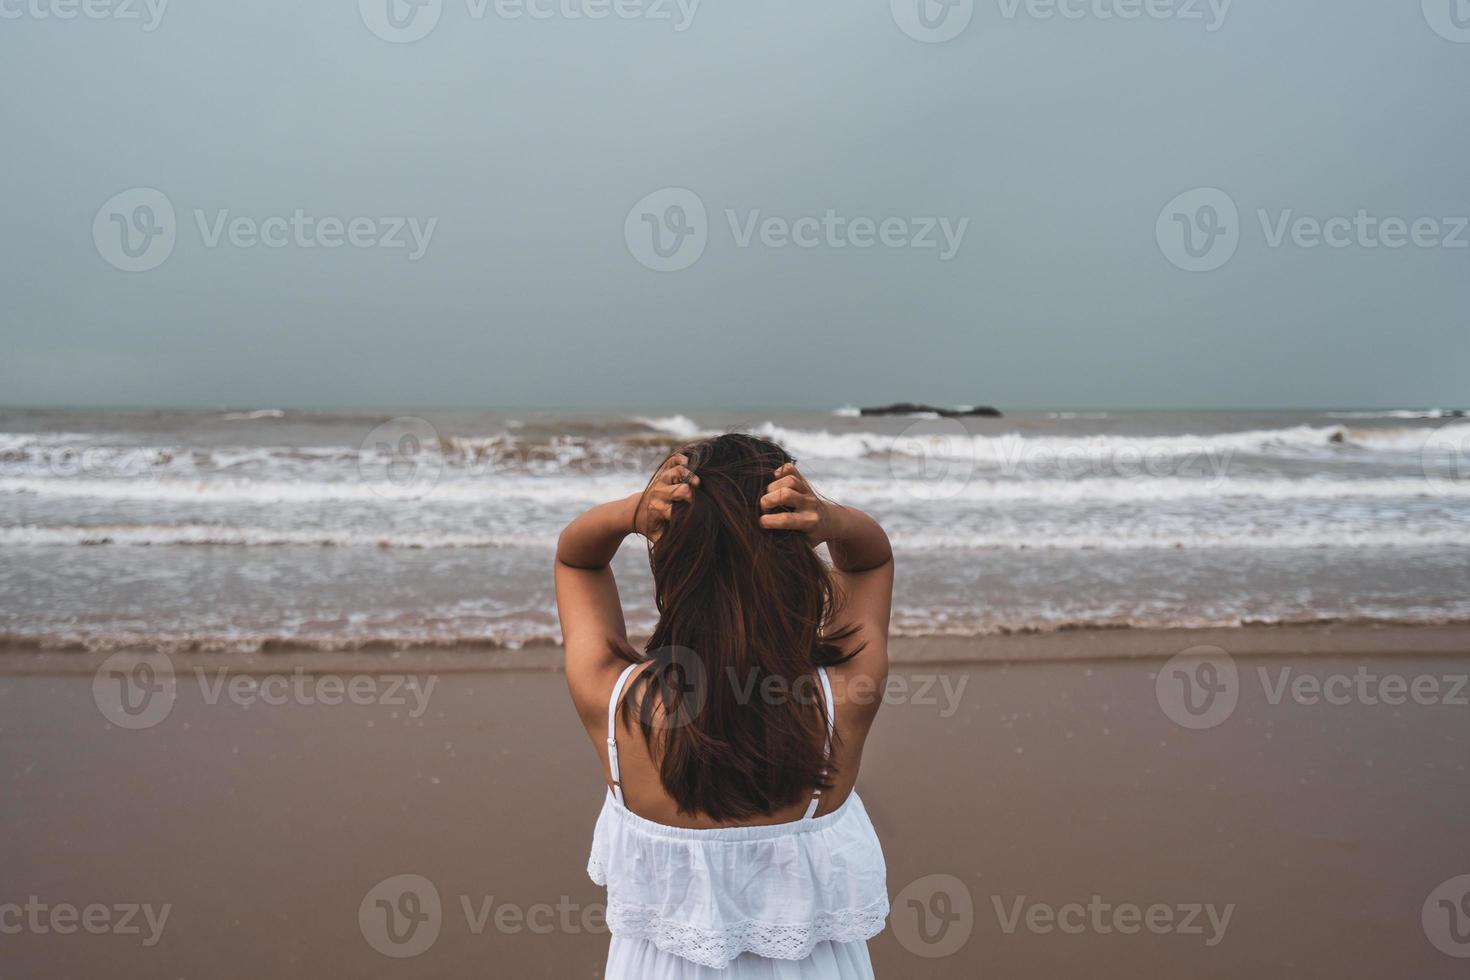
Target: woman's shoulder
(591,682)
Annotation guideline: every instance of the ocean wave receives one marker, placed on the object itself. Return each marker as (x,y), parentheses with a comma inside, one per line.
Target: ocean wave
(569,491)
(556,491)
(160,535)
(908,624)
(678,426)
(1324,537)
(950,441)
(510,451)
(1135,490)
(904,540)
(249,641)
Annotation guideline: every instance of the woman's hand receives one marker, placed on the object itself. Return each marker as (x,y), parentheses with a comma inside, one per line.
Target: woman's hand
(674,481)
(807,512)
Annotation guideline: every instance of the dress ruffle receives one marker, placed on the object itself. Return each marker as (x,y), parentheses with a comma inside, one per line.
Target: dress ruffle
(710,895)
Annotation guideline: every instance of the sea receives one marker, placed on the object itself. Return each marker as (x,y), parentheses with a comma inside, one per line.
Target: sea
(260,529)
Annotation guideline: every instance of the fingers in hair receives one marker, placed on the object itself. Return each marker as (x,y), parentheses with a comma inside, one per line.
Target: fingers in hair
(785,497)
(789,521)
(785,481)
(678,474)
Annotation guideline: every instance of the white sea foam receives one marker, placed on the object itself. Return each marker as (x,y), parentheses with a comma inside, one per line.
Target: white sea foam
(558,491)
(1399,413)
(583,490)
(943,440)
(1043,524)
(1134,490)
(1009,448)
(205,534)
(1136,540)
(259,413)
(678,426)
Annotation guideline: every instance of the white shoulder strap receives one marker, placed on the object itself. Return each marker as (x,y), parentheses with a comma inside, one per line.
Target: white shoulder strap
(811,810)
(612,731)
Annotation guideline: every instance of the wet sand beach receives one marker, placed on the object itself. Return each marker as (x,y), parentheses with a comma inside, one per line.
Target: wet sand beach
(1041,812)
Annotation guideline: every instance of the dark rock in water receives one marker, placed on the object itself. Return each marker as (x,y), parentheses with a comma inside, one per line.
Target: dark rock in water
(910,408)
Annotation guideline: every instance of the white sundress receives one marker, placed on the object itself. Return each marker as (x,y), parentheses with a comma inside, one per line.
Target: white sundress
(791,901)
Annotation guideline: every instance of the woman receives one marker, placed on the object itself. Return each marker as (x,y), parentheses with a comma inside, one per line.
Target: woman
(731,840)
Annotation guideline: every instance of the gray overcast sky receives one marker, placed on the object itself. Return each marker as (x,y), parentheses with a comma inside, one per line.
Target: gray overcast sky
(1061,140)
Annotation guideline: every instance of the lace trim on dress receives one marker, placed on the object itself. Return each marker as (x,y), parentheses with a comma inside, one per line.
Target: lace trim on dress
(715,948)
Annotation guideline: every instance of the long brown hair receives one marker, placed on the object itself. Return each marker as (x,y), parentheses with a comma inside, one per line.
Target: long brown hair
(732,709)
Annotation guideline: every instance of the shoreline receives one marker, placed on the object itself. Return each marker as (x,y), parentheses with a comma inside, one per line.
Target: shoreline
(1104,645)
